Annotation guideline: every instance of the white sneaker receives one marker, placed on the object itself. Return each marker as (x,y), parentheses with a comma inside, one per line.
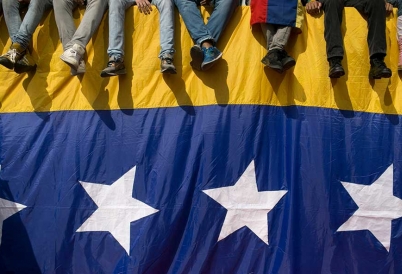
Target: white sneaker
(80,69)
(72,56)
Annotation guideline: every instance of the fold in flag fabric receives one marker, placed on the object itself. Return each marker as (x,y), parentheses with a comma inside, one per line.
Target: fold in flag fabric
(235,170)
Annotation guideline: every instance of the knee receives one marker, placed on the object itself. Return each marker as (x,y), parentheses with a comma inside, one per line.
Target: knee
(61,5)
(328,5)
(117,4)
(377,5)
(10,4)
(164,4)
(36,6)
(185,4)
(227,4)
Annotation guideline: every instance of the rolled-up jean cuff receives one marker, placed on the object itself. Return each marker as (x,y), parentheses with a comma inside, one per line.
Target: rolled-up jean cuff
(71,44)
(115,54)
(169,51)
(199,41)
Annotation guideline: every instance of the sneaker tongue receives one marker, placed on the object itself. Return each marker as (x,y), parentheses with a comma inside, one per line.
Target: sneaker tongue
(17,47)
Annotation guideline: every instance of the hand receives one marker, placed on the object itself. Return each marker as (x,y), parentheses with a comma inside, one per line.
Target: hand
(205,2)
(80,3)
(313,8)
(389,8)
(144,6)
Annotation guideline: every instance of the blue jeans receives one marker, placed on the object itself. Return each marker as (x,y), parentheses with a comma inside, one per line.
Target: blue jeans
(12,16)
(69,35)
(35,12)
(200,32)
(116,26)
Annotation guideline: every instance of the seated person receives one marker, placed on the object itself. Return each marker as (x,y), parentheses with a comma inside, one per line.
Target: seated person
(398,4)
(376,16)
(18,57)
(277,32)
(115,51)
(75,40)
(204,54)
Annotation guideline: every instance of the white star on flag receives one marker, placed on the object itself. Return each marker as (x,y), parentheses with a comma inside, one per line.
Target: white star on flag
(7,209)
(377,207)
(245,205)
(116,208)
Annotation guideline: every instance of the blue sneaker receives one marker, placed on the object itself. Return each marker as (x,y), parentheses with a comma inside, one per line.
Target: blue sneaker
(211,55)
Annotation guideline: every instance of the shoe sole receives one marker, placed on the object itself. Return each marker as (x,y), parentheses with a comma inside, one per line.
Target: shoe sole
(169,71)
(109,74)
(74,72)
(382,75)
(210,64)
(21,69)
(337,74)
(70,61)
(276,68)
(7,63)
(196,58)
(289,65)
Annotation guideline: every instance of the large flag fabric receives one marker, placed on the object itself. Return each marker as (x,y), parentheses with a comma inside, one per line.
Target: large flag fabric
(278,12)
(234,170)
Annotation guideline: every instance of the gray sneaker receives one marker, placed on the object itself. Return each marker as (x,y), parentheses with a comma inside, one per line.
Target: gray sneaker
(80,70)
(167,65)
(115,67)
(73,55)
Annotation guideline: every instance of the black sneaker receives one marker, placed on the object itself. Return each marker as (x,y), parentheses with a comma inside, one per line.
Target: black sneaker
(25,64)
(115,67)
(12,56)
(287,61)
(197,56)
(273,60)
(335,67)
(378,69)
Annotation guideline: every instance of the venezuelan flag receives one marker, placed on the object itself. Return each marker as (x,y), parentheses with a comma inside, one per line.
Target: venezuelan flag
(234,170)
(279,12)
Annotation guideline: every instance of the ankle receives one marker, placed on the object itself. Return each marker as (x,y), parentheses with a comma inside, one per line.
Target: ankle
(18,47)
(207,44)
(377,56)
(115,57)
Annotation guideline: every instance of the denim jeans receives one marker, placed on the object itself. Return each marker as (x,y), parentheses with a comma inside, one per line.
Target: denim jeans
(12,16)
(117,13)
(35,12)
(200,32)
(69,35)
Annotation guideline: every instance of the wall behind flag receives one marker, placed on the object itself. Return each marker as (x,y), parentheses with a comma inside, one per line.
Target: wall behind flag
(239,78)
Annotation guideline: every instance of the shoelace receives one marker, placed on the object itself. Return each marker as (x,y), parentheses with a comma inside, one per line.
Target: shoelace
(111,63)
(210,50)
(13,54)
(168,60)
(73,52)
(379,63)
